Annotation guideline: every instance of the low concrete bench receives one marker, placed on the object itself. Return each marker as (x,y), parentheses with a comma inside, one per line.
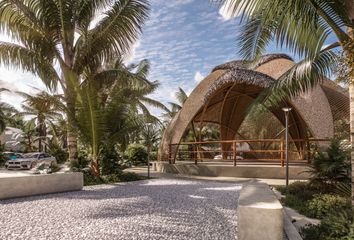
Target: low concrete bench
(260,214)
(21,186)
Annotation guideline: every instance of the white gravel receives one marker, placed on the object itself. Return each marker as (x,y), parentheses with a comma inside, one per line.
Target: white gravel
(154,209)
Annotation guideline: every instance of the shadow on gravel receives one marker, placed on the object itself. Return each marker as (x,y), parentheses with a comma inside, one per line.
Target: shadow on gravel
(161,208)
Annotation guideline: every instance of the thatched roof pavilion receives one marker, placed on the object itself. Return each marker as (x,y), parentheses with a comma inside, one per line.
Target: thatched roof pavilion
(224,96)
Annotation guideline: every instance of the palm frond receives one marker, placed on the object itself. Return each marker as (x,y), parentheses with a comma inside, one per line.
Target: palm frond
(303,76)
(154,103)
(15,55)
(115,33)
(181,96)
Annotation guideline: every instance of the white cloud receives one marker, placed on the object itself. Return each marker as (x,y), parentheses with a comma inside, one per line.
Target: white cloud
(130,57)
(228,10)
(198,77)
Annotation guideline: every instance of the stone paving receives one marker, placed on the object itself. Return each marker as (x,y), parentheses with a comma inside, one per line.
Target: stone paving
(151,209)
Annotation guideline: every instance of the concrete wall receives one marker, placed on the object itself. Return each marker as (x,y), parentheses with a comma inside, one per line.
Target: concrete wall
(11,187)
(273,172)
(259,214)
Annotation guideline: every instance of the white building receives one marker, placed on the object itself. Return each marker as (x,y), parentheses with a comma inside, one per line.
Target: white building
(12,138)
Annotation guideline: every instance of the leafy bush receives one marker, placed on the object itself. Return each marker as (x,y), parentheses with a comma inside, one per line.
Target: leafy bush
(82,162)
(338,225)
(57,152)
(324,204)
(296,203)
(90,179)
(137,154)
(311,232)
(332,166)
(55,168)
(110,161)
(302,190)
(153,156)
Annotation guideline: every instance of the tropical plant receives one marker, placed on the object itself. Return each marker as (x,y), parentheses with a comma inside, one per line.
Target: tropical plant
(110,160)
(304,27)
(112,107)
(332,166)
(137,154)
(67,33)
(323,205)
(150,135)
(181,97)
(29,136)
(6,111)
(43,108)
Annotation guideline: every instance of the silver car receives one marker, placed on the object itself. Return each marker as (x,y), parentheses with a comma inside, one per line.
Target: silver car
(30,160)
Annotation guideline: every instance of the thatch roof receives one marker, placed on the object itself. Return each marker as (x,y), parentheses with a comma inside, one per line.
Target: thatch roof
(246,64)
(231,65)
(270,57)
(241,76)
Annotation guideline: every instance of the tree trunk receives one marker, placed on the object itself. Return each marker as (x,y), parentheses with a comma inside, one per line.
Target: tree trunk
(349,51)
(71,130)
(95,168)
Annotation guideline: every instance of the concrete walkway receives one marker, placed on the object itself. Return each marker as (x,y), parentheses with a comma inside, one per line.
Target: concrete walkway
(150,209)
(154,174)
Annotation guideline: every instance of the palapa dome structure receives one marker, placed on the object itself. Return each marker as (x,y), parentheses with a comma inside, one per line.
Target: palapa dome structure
(224,96)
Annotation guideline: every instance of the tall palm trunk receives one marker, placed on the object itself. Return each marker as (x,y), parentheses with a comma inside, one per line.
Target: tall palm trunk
(71,126)
(72,137)
(95,167)
(349,51)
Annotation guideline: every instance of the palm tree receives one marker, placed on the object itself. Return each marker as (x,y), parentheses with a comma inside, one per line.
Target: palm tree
(29,136)
(6,112)
(181,97)
(61,41)
(45,108)
(303,27)
(112,104)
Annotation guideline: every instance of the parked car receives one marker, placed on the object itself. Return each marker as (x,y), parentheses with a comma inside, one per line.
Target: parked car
(11,155)
(30,160)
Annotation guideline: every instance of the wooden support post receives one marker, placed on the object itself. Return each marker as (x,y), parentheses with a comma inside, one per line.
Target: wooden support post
(169,153)
(195,155)
(282,152)
(234,152)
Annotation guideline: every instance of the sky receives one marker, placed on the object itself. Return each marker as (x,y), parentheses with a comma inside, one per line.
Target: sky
(183,40)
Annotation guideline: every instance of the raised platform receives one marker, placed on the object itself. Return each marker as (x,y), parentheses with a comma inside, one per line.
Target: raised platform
(23,184)
(214,169)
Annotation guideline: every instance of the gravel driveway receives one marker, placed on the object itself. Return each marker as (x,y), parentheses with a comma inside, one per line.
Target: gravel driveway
(154,209)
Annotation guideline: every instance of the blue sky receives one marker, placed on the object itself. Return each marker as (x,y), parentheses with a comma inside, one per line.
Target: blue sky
(183,39)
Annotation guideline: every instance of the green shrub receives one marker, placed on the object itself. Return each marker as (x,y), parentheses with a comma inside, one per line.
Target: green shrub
(153,156)
(110,161)
(332,166)
(296,203)
(137,154)
(312,232)
(338,225)
(90,179)
(81,163)
(60,155)
(55,168)
(324,204)
(302,190)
